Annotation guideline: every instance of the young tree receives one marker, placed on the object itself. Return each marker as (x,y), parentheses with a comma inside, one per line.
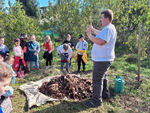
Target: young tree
(1,4)
(31,7)
(64,17)
(16,22)
(68,16)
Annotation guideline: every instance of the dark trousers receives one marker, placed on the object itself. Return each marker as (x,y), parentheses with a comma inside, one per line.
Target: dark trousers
(67,66)
(100,81)
(26,68)
(21,66)
(49,59)
(79,62)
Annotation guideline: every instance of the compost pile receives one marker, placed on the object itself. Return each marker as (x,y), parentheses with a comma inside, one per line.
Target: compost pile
(67,86)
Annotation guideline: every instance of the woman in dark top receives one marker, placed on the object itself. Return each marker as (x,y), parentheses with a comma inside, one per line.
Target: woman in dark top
(69,42)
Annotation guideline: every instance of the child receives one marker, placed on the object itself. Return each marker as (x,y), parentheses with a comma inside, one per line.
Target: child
(4,51)
(9,62)
(19,63)
(81,56)
(5,78)
(65,53)
(49,48)
(23,40)
(69,42)
(33,50)
(23,44)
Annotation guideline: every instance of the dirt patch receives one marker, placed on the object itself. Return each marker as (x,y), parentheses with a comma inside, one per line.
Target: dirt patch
(67,86)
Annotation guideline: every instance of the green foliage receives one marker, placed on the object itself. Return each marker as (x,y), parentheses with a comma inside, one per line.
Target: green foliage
(127,20)
(132,58)
(16,22)
(31,8)
(2,22)
(1,4)
(69,16)
(63,17)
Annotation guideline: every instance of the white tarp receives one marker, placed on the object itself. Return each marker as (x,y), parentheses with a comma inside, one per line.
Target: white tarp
(34,97)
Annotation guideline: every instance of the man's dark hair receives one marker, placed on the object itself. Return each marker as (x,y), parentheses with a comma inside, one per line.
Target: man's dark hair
(108,14)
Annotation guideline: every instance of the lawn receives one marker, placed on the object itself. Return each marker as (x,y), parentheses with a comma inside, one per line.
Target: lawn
(135,99)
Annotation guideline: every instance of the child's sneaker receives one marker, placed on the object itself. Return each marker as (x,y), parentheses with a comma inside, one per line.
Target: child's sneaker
(50,66)
(47,67)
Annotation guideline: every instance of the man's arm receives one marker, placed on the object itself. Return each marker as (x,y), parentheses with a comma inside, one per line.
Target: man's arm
(95,40)
(94,30)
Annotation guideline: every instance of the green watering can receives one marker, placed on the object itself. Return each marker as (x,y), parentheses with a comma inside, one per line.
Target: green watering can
(119,85)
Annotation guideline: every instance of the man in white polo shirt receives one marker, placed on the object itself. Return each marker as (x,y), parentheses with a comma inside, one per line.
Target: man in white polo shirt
(102,55)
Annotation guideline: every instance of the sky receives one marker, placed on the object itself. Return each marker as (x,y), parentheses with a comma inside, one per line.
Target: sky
(41,2)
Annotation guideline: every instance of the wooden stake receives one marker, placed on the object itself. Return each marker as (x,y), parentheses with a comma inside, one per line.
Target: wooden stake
(139,52)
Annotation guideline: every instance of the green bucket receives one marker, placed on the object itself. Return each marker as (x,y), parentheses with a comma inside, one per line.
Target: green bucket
(119,85)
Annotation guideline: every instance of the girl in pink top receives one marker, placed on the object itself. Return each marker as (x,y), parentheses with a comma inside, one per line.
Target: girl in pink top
(19,63)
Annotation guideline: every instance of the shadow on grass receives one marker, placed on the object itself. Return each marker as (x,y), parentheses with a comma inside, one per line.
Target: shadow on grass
(133,83)
(112,94)
(81,72)
(64,107)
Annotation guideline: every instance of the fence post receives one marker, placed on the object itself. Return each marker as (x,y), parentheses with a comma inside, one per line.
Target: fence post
(139,52)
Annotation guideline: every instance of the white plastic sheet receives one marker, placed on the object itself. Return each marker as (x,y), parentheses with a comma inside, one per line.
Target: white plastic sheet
(34,97)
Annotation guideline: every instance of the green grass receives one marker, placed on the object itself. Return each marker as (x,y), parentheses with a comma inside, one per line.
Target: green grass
(136,96)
